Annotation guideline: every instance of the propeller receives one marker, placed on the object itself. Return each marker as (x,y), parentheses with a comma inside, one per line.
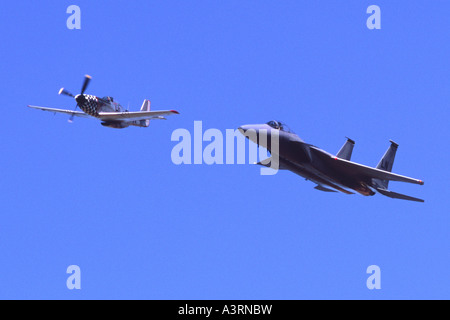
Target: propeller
(80,99)
(87,78)
(66,93)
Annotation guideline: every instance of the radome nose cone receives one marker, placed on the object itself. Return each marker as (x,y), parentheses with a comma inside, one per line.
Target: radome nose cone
(242,129)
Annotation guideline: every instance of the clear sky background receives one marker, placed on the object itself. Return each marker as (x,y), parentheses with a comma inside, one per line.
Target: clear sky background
(140,227)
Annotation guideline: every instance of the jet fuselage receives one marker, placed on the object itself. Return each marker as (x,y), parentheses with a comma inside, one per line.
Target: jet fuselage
(307,160)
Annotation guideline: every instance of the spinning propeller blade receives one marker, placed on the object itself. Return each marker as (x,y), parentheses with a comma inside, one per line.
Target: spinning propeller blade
(87,78)
(66,93)
(80,98)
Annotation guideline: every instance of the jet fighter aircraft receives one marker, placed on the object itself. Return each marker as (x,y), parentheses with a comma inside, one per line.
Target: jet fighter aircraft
(110,112)
(329,172)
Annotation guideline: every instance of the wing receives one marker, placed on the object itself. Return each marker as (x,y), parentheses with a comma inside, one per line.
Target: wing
(367,173)
(138,115)
(69,112)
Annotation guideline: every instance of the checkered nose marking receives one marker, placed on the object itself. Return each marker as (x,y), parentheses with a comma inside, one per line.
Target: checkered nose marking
(88,104)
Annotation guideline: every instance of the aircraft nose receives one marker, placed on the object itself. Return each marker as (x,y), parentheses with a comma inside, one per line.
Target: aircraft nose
(252,127)
(80,99)
(250,131)
(242,129)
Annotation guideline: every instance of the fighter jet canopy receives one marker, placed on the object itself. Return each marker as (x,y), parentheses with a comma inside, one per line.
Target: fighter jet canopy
(279,125)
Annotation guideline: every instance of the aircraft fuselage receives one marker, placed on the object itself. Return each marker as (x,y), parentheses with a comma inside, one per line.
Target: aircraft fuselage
(308,161)
(93,105)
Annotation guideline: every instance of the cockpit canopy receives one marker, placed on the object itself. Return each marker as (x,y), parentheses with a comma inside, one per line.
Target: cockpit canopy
(110,99)
(279,125)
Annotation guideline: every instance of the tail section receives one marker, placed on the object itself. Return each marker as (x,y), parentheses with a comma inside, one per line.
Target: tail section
(145,107)
(396,195)
(386,163)
(142,123)
(346,150)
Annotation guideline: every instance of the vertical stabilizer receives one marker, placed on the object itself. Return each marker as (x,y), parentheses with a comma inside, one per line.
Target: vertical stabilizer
(346,150)
(145,107)
(386,163)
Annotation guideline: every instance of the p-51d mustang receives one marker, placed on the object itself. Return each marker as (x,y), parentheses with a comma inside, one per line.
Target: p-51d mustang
(329,172)
(111,113)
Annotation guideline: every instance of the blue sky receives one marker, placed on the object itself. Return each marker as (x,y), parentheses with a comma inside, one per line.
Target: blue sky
(140,227)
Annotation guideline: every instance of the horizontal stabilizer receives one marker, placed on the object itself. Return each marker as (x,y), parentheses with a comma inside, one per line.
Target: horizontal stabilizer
(322,188)
(396,195)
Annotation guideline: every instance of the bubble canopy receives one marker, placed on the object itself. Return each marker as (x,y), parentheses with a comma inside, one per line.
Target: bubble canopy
(279,125)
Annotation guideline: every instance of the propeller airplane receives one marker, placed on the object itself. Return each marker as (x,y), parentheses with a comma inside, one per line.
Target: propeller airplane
(110,113)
